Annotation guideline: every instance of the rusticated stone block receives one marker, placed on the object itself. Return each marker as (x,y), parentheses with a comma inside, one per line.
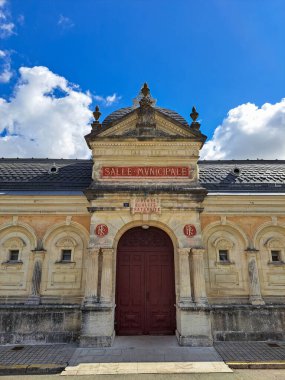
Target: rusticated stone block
(248,322)
(21,323)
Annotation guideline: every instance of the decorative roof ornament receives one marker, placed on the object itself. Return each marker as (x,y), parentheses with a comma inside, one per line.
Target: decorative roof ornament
(194,116)
(146,125)
(96,124)
(144,97)
(145,90)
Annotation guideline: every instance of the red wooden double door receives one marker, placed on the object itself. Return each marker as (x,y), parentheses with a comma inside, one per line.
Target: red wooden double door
(145,291)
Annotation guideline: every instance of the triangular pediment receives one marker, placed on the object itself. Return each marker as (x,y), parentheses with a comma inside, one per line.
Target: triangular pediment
(165,126)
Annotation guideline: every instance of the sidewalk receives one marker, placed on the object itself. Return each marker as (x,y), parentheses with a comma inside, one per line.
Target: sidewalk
(145,354)
(148,354)
(35,359)
(261,355)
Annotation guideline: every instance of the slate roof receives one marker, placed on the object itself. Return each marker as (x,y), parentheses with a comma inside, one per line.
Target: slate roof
(34,174)
(120,113)
(250,176)
(75,175)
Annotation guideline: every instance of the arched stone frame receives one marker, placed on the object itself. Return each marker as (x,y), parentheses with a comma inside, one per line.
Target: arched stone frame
(232,236)
(224,243)
(64,236)
(151,223)
(65,242)
(16,274)
(271,225)
(267,237)
(25,228)
(276,243)
(13,243)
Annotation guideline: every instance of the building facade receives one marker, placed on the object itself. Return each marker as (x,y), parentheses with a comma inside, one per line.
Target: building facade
(143,239)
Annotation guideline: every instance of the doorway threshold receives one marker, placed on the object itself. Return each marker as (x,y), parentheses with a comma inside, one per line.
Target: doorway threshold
(145,348)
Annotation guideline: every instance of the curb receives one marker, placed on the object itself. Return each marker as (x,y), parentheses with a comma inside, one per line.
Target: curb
(31,369)
(278,364)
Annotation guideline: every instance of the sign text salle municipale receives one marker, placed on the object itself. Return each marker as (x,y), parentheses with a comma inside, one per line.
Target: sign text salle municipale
(145,171)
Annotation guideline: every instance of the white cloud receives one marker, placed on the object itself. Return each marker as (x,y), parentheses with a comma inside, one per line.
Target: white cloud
(108,100)
(46,117)
(65,22)
(7,28)
(5,67)
(249,132)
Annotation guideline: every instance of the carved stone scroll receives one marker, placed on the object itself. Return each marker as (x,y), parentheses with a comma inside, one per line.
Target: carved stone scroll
(36,279)
(254,285)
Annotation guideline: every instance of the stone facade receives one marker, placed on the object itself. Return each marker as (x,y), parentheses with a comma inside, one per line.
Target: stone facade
(229,273)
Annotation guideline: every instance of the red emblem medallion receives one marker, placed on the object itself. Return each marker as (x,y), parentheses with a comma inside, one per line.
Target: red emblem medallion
(101,230)
(189,230)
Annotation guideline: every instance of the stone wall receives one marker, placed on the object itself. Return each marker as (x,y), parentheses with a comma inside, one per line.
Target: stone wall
(39,324)
(247,322)
(62,323)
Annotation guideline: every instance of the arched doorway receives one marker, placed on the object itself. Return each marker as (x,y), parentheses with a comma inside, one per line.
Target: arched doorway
(145,291)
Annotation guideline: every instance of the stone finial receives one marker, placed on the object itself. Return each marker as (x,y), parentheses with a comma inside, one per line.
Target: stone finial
(145,98)
(194,116)
(145,90)
(96,124)
(97,113)
(146,125)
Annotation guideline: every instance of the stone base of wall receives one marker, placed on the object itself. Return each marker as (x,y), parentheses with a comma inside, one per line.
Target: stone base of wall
(39,323)
(96,341)
(193,326)
(193,340)
(248,322)
(97,328)
(62,324)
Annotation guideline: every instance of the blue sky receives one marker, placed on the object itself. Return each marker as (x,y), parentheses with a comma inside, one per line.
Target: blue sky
(216,54)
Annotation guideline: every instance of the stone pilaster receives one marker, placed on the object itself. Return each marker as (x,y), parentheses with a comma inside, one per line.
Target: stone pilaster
(107,275)
(91,284)
(185,291)
(97,328)
(198,273)
(34,297)
(255,297)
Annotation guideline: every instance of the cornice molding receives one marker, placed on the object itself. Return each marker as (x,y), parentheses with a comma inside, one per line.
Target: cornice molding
(131,142)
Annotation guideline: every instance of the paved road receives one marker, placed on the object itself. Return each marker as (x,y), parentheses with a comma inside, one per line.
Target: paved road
(236,375)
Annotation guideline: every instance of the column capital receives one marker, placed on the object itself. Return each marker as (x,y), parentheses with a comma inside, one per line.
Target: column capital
(107,251)
(198,251)
(184,251)
(251,251)
(38,252)
(92,251)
